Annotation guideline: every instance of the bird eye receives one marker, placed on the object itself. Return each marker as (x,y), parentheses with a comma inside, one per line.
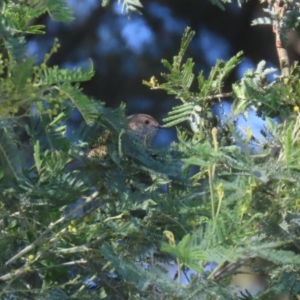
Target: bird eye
(146,122)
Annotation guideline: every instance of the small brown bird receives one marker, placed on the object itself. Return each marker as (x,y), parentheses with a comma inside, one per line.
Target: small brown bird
(140,126)
(143,128)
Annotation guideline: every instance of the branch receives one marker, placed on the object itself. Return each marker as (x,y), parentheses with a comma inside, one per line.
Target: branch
(279,44)
(42,237)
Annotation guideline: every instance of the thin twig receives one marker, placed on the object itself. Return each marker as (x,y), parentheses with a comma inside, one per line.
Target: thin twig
(16,214)
(42,237)
(223,95)
(280,47)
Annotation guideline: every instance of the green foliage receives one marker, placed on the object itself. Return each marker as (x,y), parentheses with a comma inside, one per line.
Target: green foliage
(246,193)
(126,217)
(134,5)
(11,160)
(268,99)
(128,6)
(16,17)
(196,107)
(285,17)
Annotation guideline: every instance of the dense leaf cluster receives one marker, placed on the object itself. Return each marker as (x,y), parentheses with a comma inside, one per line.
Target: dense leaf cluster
(122,219)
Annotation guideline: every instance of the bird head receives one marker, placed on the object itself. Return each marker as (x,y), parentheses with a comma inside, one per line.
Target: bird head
(143,127)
